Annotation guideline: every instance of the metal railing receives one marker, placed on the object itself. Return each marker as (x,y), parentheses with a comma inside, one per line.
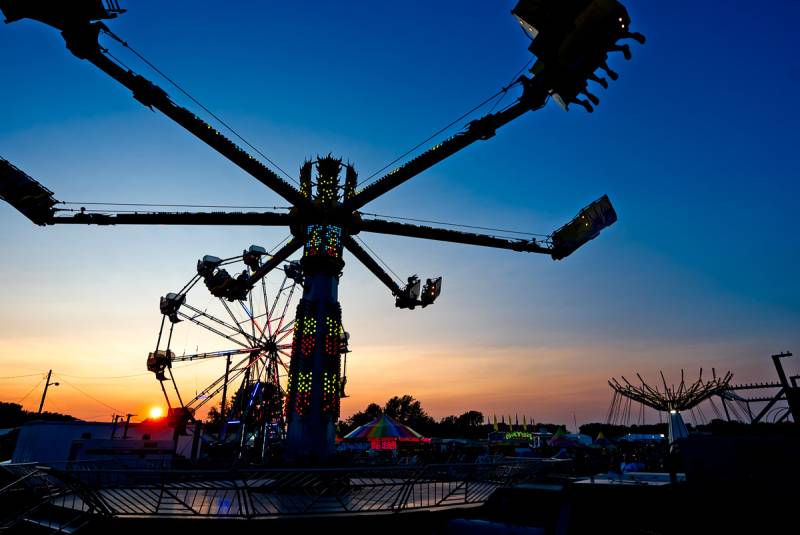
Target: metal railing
(28,492)
(265,493)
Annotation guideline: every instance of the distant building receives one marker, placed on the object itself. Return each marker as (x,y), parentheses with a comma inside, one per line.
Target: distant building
(56,442)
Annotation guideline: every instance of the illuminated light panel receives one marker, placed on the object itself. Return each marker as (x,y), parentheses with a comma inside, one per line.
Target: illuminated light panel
(324,240)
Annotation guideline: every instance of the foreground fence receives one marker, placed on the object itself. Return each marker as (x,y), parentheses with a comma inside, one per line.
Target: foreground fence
(264,493)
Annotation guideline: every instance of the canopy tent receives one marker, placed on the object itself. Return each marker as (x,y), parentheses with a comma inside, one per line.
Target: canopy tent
(602,442)
(562,439)
(383,433)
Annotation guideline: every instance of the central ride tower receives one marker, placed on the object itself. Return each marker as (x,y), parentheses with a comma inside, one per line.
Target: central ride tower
(315,381)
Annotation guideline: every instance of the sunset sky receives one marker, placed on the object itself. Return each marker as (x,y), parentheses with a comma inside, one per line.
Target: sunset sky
(696,145)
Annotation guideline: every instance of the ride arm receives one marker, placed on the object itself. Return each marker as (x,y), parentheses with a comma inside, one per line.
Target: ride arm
(381,226)
(37,203)
(263,219)
(534,97)
(276,260)
(83,41)
(372,265)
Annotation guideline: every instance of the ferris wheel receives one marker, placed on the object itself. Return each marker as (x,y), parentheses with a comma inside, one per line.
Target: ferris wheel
(249,330)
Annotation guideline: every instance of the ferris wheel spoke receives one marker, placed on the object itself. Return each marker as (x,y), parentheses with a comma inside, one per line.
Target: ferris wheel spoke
(211,391)
(286,304)
(284,336)
(268,309)
(253,322)
(287,327)
(252,313)
(213,354)
(283,364)
(237,324)
(235,329)
(196,321)
(277,298)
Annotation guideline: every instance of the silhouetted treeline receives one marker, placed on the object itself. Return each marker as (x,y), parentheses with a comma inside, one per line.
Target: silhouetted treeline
(409,411)
(12,415)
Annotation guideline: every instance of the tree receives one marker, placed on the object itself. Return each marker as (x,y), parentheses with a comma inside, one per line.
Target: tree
(408,410)
(470,419)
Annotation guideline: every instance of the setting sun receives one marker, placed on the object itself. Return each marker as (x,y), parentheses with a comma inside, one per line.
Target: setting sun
(156,413)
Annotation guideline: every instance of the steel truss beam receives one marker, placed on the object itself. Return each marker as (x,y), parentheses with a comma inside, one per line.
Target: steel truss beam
(432,233)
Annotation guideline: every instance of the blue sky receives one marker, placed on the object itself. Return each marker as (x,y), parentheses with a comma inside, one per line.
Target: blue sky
(695,145)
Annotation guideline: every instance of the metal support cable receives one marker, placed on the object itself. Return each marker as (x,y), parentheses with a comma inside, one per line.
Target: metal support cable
(502,94)
(511,84)
(368,248)
(366,181)
(197,102)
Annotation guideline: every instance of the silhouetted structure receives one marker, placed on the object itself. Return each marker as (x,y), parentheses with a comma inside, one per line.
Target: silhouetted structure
(672,400)
(784,389)
(324,219)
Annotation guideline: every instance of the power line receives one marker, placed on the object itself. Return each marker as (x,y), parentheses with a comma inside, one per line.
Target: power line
(88,395)
(31,391)
(104,377)
(182,90)
(21,376)
(186,365)
(430,222)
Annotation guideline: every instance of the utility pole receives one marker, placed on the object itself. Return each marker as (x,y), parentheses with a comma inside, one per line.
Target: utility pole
(47,384)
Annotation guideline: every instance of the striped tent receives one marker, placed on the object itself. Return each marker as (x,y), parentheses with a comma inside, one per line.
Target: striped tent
(383,433)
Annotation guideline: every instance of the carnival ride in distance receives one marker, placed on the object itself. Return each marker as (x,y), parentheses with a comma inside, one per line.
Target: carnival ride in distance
(570,41)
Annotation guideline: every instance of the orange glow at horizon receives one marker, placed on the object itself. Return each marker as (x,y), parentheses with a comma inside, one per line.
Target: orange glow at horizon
(155,413)
(546,384)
